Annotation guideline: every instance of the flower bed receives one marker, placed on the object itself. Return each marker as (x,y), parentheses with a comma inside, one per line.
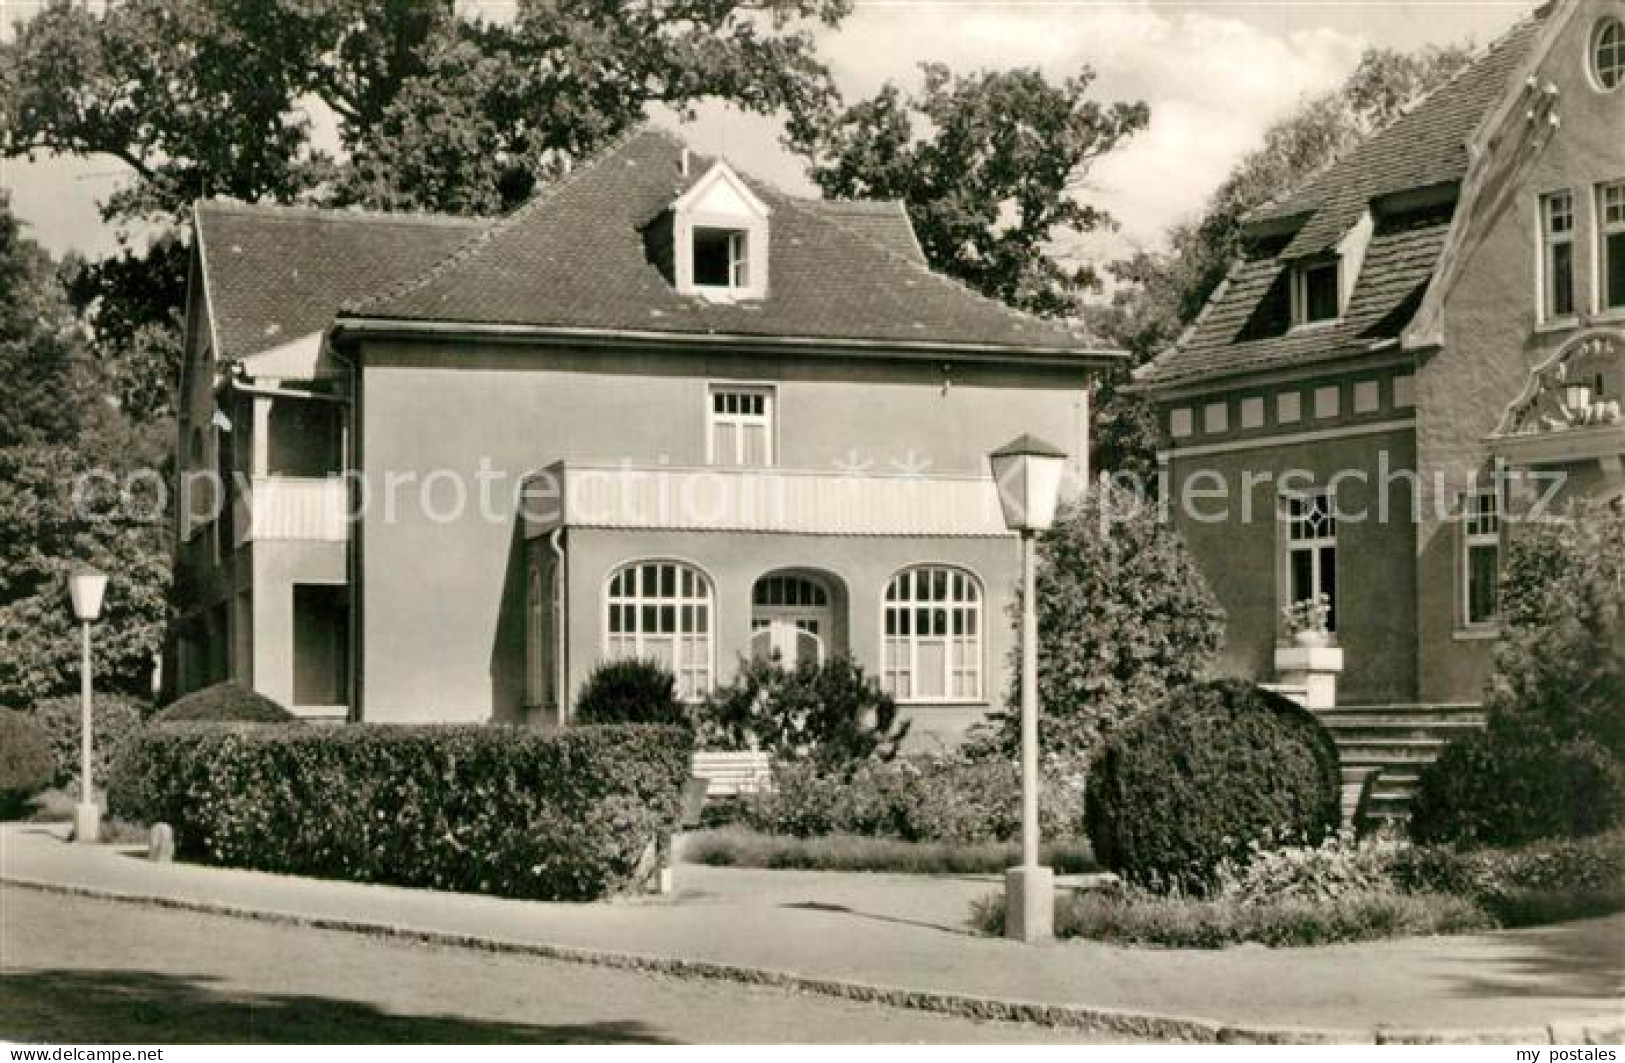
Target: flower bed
(849,852)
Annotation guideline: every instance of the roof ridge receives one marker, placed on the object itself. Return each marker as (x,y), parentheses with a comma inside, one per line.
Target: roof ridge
(294,211)
(1481,54)
(482,240)
(1025,317)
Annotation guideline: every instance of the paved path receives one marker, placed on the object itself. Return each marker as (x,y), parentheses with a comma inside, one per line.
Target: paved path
(86,971)
(908,931)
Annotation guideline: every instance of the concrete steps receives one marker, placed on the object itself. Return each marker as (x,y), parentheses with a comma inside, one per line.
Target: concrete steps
(1396,742)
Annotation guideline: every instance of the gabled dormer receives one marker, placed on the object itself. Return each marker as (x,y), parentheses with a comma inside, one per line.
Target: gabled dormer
(1323,284)
(719,238)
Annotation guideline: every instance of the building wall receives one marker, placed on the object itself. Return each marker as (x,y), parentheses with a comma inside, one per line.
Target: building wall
(277,566)
(442,614)
(1492,339)
(861,567)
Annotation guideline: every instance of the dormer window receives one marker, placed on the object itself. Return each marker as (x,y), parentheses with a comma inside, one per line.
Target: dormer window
(721,258)
(719,239)
(1316,293)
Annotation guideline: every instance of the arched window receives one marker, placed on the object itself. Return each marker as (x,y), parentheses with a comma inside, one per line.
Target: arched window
(931,649)
(662,611)
(791,619)
(1608,53)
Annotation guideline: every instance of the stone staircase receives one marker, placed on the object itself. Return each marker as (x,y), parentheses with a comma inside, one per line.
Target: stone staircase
(1398,740)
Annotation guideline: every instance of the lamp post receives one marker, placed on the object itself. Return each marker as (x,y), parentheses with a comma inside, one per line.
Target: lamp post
(86,586)
(1028,474)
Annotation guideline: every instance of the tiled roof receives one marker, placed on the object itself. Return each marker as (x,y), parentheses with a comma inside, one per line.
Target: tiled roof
(1243,327)
(278,273)
(576,257)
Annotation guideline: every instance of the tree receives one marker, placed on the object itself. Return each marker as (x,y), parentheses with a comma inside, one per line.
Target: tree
(56,425)
(1124,616)
(991,185)
(1160,293)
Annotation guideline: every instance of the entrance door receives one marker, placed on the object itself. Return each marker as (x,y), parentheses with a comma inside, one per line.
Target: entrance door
(791,620)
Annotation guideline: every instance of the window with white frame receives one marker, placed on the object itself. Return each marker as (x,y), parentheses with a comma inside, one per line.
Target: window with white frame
(1608,53)
(1480,556)
(662,611)
(1316,295)
(1557,254)
(791,620)
(1611,245)
(931,649)
(1311,550)
(742,426)
(721,258)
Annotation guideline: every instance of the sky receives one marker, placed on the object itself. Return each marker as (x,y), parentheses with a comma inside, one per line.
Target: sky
(1216,74)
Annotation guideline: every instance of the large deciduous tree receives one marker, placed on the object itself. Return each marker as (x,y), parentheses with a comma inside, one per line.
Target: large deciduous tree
(988,166)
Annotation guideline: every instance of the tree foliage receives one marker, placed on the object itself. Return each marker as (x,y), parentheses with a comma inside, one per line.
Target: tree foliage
(1124,616)
(987,165)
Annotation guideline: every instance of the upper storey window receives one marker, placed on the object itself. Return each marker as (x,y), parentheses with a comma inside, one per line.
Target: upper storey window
(1611,243)
(1316,293)
(1557,242)
(1608,54)
(720,231)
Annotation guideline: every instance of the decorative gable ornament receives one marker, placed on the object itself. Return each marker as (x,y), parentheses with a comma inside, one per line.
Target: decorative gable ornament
(719,233)
(1579,387)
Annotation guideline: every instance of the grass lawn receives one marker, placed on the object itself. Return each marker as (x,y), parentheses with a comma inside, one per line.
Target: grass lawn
(735,847)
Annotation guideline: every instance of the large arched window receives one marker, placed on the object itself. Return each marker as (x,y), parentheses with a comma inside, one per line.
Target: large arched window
(662,611)
(931,649)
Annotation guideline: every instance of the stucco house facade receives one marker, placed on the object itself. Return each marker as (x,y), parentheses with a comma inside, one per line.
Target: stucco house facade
(1421,347)
(663,410)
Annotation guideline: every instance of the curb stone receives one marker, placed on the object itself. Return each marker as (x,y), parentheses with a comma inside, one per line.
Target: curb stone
(1069,1016)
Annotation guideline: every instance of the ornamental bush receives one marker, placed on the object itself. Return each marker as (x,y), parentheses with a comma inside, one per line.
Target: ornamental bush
(568,815)
(116,719)
(26,764)
(631,691)
(828,712)
(227,702)
(1181,790)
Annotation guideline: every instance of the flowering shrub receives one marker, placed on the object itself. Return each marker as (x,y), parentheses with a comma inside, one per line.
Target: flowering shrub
(1310,614)
(921,798)
(567,815)
(1338,867)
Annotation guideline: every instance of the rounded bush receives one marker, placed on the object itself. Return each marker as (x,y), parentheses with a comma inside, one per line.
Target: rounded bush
(26,764)
(228,702)
(631,691)
(1516,782)
(115,719)
(1193,783)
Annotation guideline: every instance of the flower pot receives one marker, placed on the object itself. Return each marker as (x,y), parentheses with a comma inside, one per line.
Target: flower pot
(1310,637)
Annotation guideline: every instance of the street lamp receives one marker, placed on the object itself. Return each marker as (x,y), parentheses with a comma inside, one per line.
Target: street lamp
(86,586)
(1028,474)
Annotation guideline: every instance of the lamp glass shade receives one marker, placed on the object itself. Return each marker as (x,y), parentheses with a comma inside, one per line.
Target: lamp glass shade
(86,586)
(1028,475)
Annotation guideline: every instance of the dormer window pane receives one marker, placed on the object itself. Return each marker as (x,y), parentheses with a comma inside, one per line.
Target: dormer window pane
(1320,292)
(720,258)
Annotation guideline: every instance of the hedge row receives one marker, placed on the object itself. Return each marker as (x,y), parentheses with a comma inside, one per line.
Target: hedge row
(568,815)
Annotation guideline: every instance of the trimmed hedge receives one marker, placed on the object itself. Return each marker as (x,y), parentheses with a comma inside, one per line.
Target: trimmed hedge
(565,815)
(26,764)
(1188,787)
(227,702)
(117,719)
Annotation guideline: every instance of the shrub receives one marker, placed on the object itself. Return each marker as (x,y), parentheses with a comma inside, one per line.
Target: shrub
(26,764)
(631,691)
(1337,867)
(1136,917)
(116,719)
(1126,617)
(227,702)
(829,712)
(1551,760)
(566,815)
(851,852)
(914,799)
(1183,789)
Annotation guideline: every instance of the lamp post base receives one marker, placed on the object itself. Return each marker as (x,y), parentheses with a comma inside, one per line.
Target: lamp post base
(1029,904)
(87,823)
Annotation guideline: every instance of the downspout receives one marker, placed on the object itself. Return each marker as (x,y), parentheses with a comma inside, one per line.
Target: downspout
(555,541)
